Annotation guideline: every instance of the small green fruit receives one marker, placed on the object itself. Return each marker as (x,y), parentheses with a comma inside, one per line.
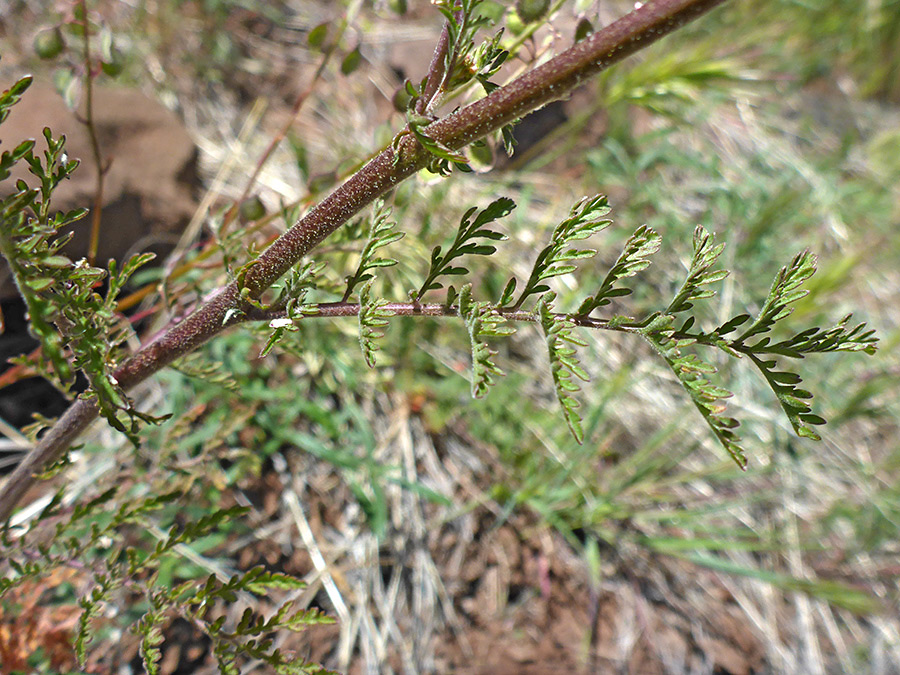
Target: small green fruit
(583,29)
(49,43)
(351,62)
(514,23)
(401,99)
(398,6)
(317,35)
(252,210)
(531,10)
(115,65)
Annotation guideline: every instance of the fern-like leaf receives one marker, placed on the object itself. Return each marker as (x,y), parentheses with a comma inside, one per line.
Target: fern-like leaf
(249,637)
(640,246)
(585,219)
(839,338)
(466,243)
(195,529)
(92,606)
(692,373)
(373,317)
(482,320)
(560,338)
(78,328)
(794,401)
(381,234)
(785,290)
(256,580)
(150,629)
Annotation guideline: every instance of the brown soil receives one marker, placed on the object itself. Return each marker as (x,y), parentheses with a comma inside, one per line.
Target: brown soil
(515,597)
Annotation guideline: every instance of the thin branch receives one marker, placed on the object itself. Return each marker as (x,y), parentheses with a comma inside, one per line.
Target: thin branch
(101,167)
(331,310)
(292,117)
(550,81)
(436,72)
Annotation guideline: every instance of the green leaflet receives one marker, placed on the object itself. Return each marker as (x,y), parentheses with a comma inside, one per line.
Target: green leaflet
(708,398)
(642,244)
(482,320)
(561,342)
(795,401)
(706,253)
(373,316)
(585,219)
(785,290)
(466,243)
(381,234)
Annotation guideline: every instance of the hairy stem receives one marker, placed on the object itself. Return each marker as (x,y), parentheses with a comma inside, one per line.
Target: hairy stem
(435,73)
(342,309)
(550,81)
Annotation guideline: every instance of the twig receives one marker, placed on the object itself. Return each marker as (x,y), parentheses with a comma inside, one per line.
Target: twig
(231,214)
(332,310)
(550,81)
(436,73)
(101,167)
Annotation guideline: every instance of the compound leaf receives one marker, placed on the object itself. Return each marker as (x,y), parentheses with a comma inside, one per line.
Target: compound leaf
(466,243)
(585,219)
(561,342)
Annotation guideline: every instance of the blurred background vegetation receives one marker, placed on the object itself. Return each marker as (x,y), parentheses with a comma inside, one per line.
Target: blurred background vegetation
(776,125)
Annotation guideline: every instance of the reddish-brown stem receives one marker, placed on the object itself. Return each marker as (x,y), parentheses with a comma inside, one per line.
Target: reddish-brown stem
(331,310)
(435,73)
(548,82)
(101,169)
(286,127)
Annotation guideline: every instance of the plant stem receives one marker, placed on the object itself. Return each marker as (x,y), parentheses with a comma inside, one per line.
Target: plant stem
(435,73)
(232,213)
(100,166)
(342,309)
(550,81)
